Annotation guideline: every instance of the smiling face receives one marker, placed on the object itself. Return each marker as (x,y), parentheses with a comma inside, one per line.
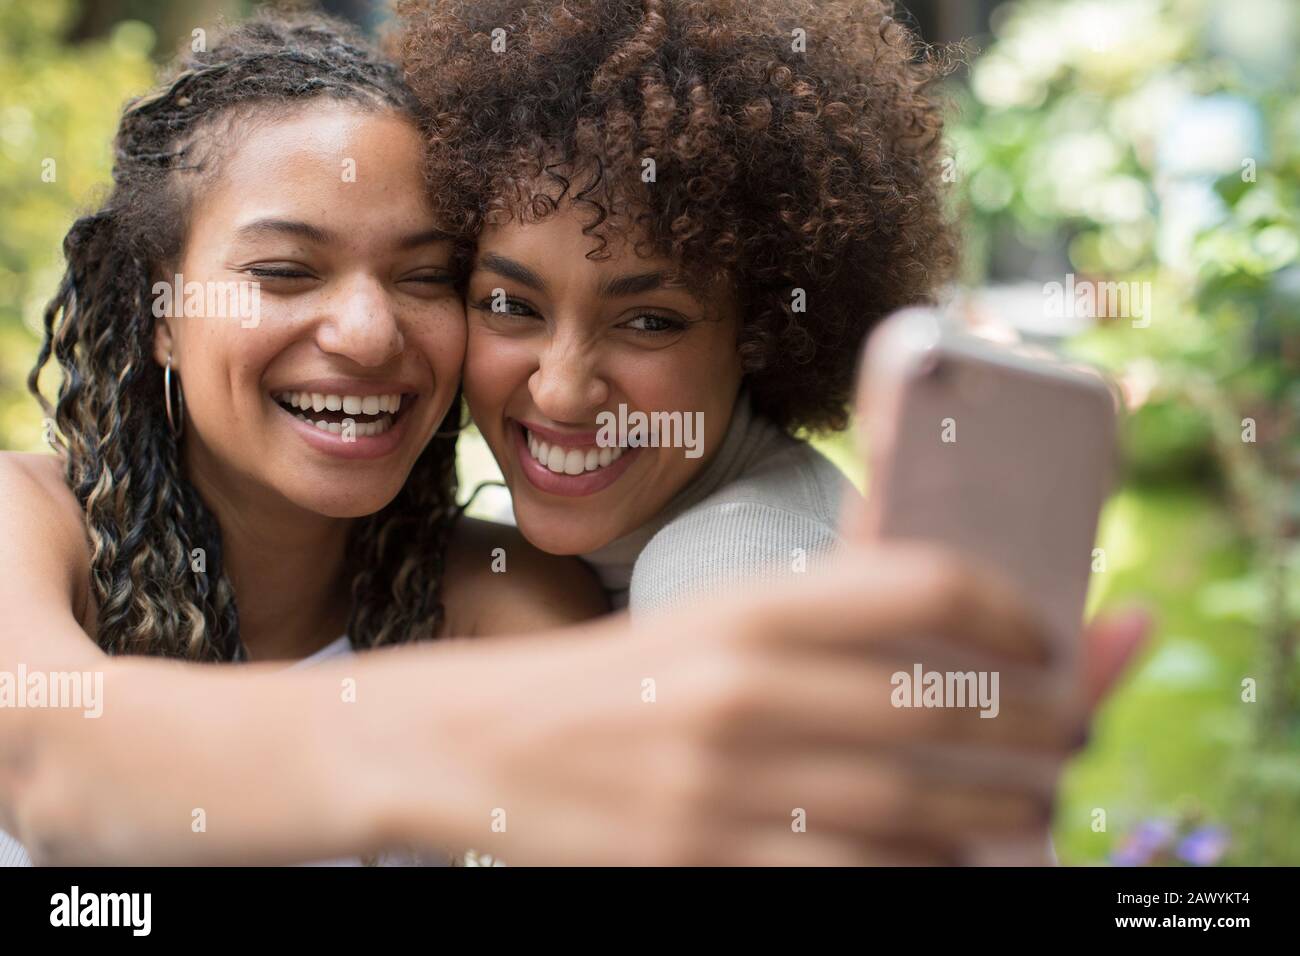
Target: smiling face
(557,339)
(323,389)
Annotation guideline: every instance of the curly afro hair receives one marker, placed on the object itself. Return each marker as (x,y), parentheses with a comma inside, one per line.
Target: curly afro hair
(796,146)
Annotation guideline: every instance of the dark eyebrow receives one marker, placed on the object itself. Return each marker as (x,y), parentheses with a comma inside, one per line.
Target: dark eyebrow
(428,237)
(637,283)
(510,269)
(290,227)
(611,288)
(316,234)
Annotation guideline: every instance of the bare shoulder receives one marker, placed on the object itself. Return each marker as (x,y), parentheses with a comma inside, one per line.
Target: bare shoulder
(42,531)
(498,583)
(32,484)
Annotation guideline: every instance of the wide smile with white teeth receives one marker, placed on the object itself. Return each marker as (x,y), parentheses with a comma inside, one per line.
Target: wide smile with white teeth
(564,460)
(370,414)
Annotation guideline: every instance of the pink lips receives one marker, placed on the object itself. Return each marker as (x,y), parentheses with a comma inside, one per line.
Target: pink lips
(569,486)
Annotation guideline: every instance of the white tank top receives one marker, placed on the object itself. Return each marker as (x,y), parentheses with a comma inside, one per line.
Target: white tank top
(13,853)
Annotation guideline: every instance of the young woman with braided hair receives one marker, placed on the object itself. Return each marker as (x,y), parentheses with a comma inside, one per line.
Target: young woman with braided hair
(214,528)
(242,490)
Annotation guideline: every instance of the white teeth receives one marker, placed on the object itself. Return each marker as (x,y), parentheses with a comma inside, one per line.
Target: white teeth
(570,461)
(349,404)
(359,429)
(555,460)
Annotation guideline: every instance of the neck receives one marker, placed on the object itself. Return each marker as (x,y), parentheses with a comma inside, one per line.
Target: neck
(286,566)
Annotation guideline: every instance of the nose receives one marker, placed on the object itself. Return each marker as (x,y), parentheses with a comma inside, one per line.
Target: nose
(567,385)
(360,324)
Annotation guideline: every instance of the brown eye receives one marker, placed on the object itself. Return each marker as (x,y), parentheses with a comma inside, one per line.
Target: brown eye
(650,324)
(507,307)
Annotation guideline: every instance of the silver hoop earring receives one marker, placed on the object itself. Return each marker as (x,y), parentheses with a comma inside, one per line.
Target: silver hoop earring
(179,416)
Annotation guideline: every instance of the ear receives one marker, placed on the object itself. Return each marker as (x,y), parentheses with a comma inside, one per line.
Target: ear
(162,340)
(164,305)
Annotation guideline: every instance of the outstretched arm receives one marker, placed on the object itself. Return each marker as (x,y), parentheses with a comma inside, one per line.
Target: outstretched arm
(173,762)
(689,738)
(157,750)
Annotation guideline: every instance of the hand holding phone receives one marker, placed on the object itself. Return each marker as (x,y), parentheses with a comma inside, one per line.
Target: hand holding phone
(1002,459)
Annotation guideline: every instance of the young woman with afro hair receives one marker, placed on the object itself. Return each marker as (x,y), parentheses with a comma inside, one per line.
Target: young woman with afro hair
(685,212)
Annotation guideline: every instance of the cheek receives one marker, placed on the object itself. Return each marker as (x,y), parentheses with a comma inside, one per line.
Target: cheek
(700,380)
(687,380)
(221,365)
(441,341)
(496,369)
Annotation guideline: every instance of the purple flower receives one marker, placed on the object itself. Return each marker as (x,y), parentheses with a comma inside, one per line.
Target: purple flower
(1203,847)
(1148,839)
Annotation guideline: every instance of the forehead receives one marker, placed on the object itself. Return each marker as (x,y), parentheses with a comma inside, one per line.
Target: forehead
(566,234)
(328,162)
(583,244)
(582,209)
(551,254)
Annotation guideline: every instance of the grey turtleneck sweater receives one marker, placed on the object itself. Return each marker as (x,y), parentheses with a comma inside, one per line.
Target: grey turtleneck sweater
(764,507)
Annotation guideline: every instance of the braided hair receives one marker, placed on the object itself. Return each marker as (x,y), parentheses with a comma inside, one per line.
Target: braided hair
(144,519)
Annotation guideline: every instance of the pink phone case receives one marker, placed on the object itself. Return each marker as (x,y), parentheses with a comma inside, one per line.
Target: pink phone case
(1003,456)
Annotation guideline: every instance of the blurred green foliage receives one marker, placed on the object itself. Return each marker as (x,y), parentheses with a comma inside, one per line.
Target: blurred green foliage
(59,106)
(1159,141)
(1161,745)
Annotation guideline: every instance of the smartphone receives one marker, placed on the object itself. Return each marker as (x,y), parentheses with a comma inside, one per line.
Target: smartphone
(1002,454)
(997,451)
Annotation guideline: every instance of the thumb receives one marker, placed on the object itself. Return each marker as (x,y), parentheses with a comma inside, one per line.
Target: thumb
(1110,643)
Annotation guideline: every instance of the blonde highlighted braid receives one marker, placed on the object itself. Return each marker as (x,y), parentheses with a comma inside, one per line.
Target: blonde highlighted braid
(144,519)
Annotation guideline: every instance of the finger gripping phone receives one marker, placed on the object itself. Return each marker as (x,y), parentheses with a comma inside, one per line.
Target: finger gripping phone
(998,453)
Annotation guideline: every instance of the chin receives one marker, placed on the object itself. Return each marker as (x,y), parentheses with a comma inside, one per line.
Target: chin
(357,502)
(558,535)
